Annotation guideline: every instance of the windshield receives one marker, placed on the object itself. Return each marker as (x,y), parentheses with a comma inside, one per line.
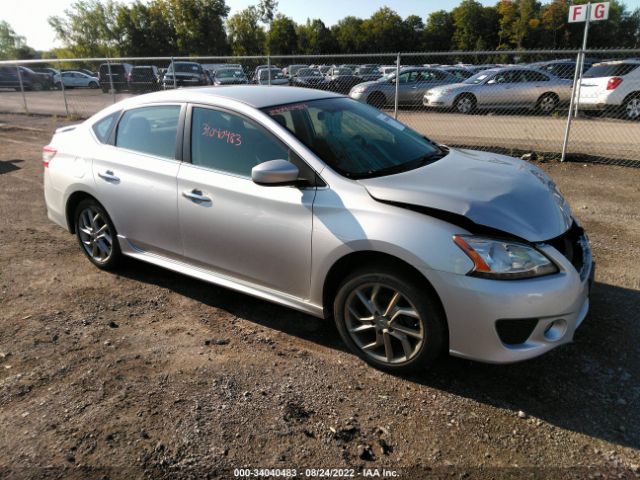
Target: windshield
(356,140)
(185,67)
(276,74)
(610,70)
(309,72)
(477,78)
(230,73)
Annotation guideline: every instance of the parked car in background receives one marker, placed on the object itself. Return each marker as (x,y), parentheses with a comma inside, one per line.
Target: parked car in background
(561,68)
(309,78)
(292,70)
(9,78)
(229,76)
(368,73)
(187,74)
(461,72)
(254,78)
(52,72)
(145,78)
(612,86)
(72,79)
(114,75)
(277,77)
(320,203)
(325,68)
(502,88)
(414,82)
(341,80)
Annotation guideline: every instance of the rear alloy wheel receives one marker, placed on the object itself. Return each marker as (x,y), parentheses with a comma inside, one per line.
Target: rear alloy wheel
(97,235)
(389,322)
(632,108)
(547,103)
(465,104)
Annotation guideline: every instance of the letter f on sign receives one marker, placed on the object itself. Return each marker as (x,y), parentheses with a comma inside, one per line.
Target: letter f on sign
(577,10)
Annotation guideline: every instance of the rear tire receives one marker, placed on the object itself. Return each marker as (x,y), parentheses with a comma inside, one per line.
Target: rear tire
(376,99)
(96,235)
(388,320)
(632,107)
(547,103)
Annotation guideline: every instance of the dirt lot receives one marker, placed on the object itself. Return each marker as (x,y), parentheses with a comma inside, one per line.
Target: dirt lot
(149,374)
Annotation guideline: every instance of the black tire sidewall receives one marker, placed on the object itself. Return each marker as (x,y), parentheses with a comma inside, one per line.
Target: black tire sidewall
(434,323)
(116,254)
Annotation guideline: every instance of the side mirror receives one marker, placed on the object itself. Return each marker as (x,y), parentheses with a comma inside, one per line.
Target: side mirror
(275,173)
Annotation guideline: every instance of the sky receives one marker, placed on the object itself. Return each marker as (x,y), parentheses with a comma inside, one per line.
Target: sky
(29,17)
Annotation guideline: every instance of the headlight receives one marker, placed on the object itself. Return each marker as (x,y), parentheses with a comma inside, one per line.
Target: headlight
(501,259)
(358,89)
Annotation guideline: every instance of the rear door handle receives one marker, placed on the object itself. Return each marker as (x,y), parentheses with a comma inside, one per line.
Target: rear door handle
(108,176)
(196,196)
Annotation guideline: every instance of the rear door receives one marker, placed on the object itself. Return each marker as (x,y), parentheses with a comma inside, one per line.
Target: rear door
(136,177)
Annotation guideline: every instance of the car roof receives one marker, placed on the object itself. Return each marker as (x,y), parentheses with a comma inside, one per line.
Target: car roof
(257,96)
(618,62)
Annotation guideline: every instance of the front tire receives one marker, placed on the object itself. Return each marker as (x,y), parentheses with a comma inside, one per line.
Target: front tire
(93,85)
(376,99)
(389,321)
(465,104)
(96,235)
(547,103)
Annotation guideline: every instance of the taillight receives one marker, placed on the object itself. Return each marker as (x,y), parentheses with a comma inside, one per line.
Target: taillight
(613,83)
(47,155)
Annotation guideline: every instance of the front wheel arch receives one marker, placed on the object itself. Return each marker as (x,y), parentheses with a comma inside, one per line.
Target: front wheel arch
(470,96)
(352,261)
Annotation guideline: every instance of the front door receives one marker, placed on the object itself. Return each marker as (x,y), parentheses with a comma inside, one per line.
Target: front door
(232,226)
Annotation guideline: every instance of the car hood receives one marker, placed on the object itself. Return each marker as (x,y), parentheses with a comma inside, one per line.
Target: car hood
(494,191)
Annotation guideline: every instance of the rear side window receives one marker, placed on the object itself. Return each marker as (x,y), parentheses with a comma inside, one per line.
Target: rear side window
(535,77)
(102,128)
(612,70)
(150,130)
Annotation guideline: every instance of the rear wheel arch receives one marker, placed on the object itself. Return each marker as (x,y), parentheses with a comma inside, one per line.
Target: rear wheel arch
(72,203)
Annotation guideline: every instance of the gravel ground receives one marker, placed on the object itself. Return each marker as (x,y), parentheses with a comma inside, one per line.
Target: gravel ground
(146,373)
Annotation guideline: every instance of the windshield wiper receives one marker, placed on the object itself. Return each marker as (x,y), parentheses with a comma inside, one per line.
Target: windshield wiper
(403,167)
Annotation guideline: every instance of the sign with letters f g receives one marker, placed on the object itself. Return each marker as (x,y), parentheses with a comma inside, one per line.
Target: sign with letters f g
(596,11)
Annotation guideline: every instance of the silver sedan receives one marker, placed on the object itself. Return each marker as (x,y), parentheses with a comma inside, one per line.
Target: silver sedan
(502,88)
(320,203)
(414,82)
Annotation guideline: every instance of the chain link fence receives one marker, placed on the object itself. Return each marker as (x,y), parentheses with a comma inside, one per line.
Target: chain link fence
(514,102)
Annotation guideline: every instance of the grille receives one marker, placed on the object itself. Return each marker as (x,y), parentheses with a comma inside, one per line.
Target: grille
(573,245)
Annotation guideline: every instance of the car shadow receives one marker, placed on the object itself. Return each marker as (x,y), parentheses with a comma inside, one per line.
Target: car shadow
(590,386)
(7,166)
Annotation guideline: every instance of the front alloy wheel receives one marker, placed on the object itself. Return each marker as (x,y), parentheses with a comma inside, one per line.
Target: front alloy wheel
(389,319)
(465,104)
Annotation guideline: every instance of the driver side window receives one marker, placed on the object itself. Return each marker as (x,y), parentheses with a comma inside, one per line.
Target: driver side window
(230,143)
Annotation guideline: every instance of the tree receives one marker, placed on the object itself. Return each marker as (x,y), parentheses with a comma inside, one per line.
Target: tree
(246,35)
(314,37)
(89,29)
(145,29)
(13,45)
(349,35)
(526,23)
(385,31)
(282,37)
(438,32)
(553,17)
(507,15)
(414,36)
(468,23)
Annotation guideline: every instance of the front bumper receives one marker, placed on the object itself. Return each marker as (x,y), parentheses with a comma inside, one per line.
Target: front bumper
(437,101)
(559,303)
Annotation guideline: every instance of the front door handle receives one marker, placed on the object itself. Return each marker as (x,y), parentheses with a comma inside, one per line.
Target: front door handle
(108,176)
(196,196)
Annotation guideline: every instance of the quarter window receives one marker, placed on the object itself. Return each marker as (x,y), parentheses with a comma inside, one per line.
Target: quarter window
(231,144)
(150,130)
(102,127)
